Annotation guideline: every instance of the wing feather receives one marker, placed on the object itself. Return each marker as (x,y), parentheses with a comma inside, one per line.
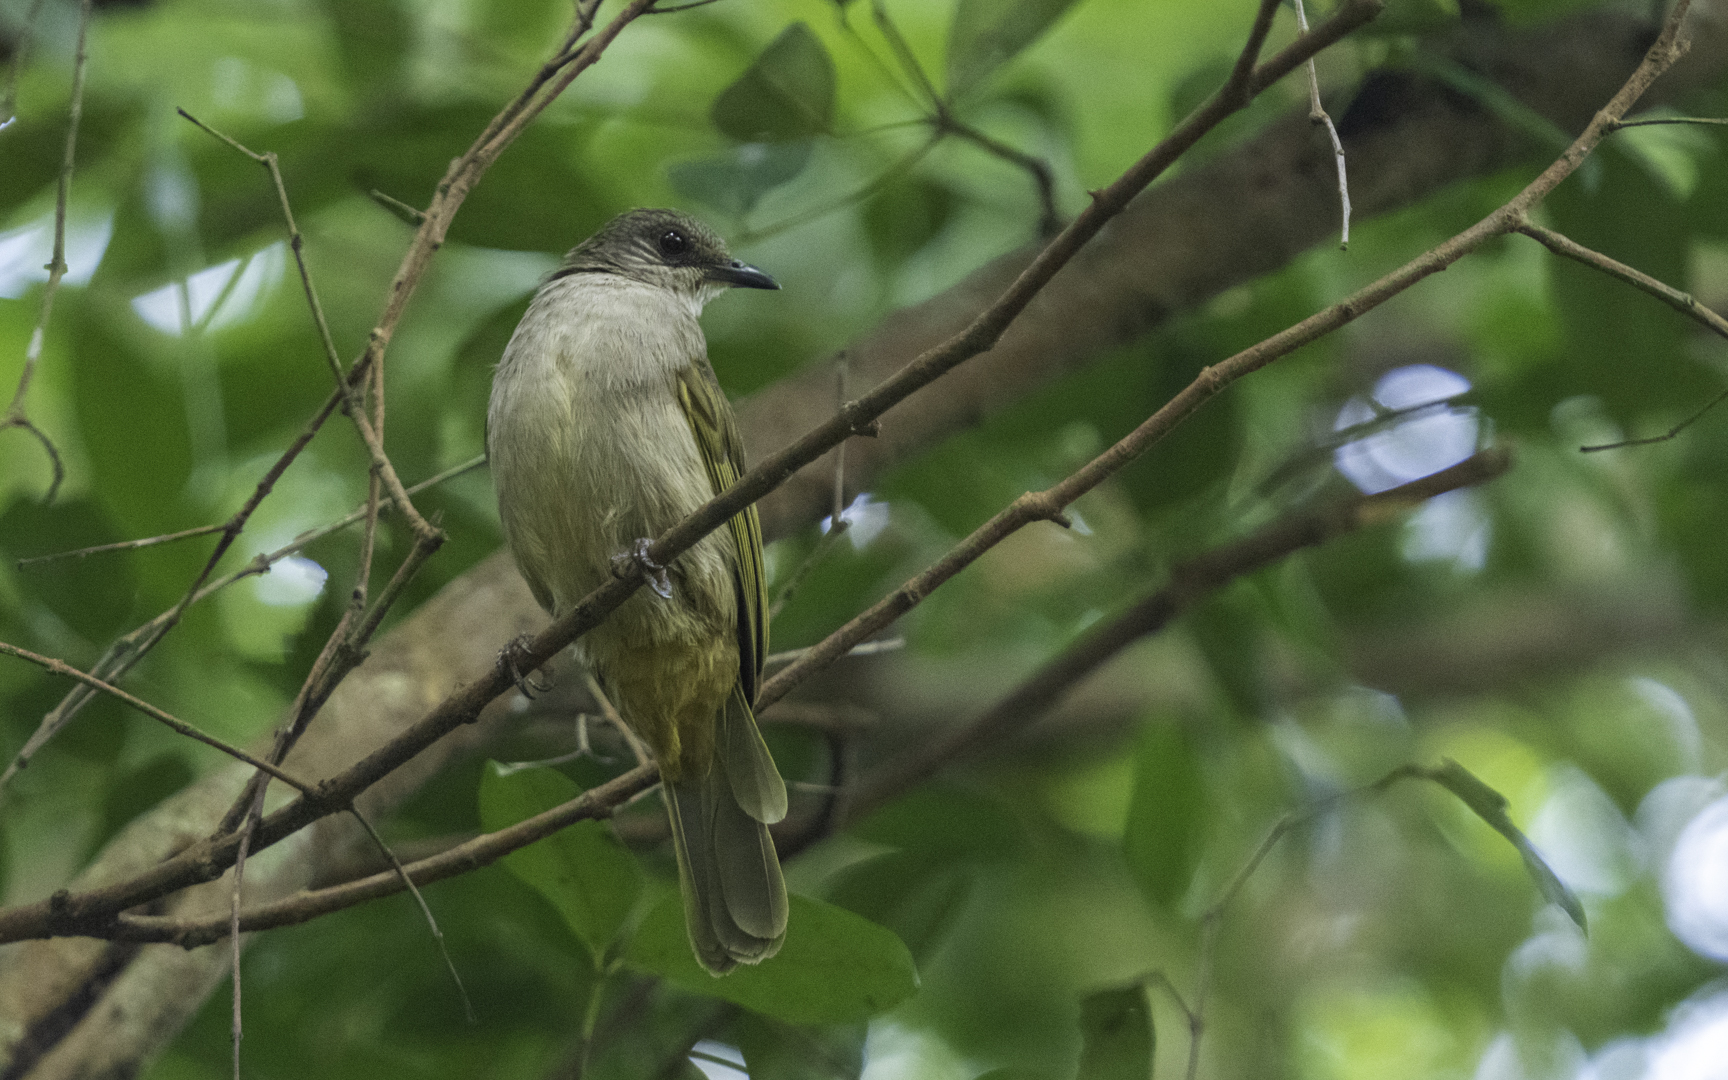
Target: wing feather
(716,433)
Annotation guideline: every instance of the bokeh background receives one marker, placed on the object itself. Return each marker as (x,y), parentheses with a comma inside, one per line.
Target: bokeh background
(1560,632)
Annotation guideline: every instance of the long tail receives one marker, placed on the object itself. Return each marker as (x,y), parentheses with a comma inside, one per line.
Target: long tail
(734,896)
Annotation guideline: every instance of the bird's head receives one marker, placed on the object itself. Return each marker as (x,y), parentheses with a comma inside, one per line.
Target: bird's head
(668,249)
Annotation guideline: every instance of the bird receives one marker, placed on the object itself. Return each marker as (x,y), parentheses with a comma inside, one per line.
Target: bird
(606,426)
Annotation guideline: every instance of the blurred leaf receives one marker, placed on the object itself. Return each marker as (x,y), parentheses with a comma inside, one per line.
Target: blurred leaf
(778,1051)
(1506,108)
(1490,806)
(735,181)
(916,894)
(83,591)
(986,34)
(1627,348)
(1230,627)
(907,215)
(373,38)
(786,95)
(834,967)
(530,25)
(134,791)
(1411,17)
(582,870)
(139,458)
(1116,1035)
(1165,812)
(1672,154)
(950,821)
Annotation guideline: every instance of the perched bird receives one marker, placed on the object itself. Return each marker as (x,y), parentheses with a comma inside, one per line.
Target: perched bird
(606,427)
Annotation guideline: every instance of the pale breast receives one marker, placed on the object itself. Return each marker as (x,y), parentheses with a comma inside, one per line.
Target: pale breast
(590,451)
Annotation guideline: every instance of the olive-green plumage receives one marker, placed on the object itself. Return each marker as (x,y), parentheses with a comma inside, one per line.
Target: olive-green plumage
(606,427)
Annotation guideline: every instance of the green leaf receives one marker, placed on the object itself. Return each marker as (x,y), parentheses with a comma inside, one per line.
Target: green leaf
(778,1051)
(1116,1035)
(915,893)
(735,181)
(835,967)
(1674,155)
(785,96)
(1162,837)
(988,33)
(582,870)
(1490,806)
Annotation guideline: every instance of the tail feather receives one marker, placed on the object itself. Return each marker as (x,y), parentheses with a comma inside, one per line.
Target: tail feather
(697,879)
(734,896)
(755,782)
(750,880)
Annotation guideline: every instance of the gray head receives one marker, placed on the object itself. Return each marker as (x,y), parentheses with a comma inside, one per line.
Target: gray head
(665,248)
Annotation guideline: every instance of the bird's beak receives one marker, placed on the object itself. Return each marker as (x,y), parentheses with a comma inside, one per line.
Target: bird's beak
(742,275)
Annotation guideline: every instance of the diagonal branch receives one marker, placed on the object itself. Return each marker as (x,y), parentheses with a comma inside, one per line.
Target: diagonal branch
(1189,582)
(464,705)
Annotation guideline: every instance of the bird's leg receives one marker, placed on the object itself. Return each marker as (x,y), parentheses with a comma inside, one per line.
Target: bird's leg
(525,684)
(655,574)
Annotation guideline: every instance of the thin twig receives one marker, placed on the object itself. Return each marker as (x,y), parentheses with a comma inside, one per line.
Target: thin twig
(370,432)
(867,648)
(1620,125)
(409,214)
(1317,114)
(122,545)
(15,416)
(425,909)
(1652,440)
(902,51)
(1683,302)
(60,667)
(595,803)
(1049,217)
(236,1018)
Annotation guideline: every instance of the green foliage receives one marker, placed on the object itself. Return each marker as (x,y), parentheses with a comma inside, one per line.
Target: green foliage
(986,34)
(1166,813)
(1117,1036)
(785,95)
(735,181)
(1550,637)
(834,967)
(582,870)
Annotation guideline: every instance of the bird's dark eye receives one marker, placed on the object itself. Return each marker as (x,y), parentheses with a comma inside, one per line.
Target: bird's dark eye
(672,243)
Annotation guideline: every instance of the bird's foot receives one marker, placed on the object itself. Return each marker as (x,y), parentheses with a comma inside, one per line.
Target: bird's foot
(512,654)
(653,573)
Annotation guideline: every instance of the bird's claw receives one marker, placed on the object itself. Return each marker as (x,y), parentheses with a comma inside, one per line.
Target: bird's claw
(525,684)
(652,572)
